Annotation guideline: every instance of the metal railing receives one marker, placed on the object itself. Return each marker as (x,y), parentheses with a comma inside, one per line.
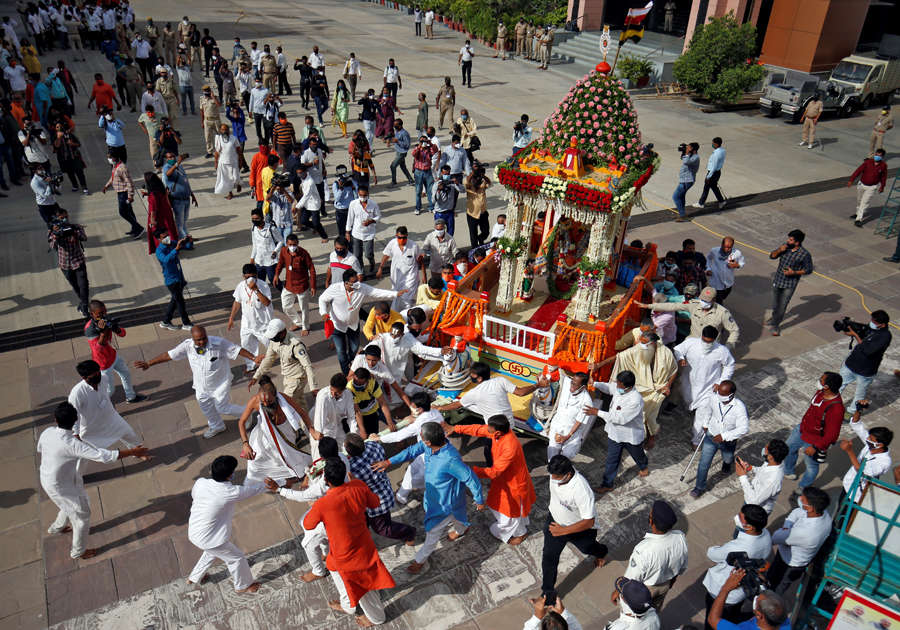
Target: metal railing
(518,337)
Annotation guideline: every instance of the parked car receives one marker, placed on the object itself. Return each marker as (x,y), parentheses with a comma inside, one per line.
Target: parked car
(873,76)
(790,96)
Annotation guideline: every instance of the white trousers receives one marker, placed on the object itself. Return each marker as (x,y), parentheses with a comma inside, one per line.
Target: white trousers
(506,527)
(413,478)
(370,602)
(570,448)
(250,340)
(214,406)
(433,536)
(233,558)
(864,196)
(315,544)
(296,307)
(80,519)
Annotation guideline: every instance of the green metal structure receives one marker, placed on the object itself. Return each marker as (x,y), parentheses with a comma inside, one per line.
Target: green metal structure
(889,221)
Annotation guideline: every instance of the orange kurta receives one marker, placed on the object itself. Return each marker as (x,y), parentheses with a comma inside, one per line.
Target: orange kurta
(257,164)
(352,551)
(512,493)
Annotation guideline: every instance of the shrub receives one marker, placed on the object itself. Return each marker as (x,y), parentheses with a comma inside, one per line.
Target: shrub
(634,68)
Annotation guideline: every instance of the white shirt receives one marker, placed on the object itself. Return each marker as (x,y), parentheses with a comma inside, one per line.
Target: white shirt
(490,398)
(227,148)
(212,509)
(414,428)
(339,265)
(343,307)
(254,314)
(704,369)
(310,199)
(395,352)
(99,424)
(628,620)
(313,171)
(762,485)
(109,19)
(380,371)
(800,537)
(356,214)
(255,56)
(466,52)
(245,82)
(876,463)
(429,17)
(257,100)
(329,412)
(60,451)
(316,60)
(757,548)
(658,558)
(497,231)
(265,244)
(16,78)
(625,418)
(722,275)
(141,48)
(211,370)
(280,61)
(441,251)
(391,74)
(726,419)
(352,68)
(156,99)
(569,411)
(404,266)
(535,624)
(571,502)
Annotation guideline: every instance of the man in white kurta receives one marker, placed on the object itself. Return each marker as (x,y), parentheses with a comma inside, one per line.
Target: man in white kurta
(570,422)
(228,174)
(61,451)
(254,299)
(406,263)
(396,347)
(274,453)
(334,410)
(705,363)
(99,424)
(654,368)
(209,526)
(414,477)
(209,359)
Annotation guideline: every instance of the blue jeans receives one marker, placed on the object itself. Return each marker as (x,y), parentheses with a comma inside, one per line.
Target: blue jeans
(780,300)
(862,384)
(707,452)
(187,94)
(448,218)
(614,456)
(679,195)
(266,272)
(399,160)
(346,344)
(120,368)
(182,209)
(426,179)
(286,230)
(795,447)
(321,106)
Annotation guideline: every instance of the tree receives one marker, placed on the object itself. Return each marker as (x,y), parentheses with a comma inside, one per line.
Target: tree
(719,62)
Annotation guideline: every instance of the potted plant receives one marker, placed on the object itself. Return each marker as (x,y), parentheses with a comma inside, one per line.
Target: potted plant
(636,70)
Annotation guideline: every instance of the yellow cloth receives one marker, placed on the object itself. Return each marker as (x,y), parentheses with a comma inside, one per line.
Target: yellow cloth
(647,379)
(375,326)
(423,297)
(266,178)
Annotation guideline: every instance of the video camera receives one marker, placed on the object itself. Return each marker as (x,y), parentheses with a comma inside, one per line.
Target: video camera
(342,176)
(281,180)
(752,583)
(109,322)
(846,324)
(61,228)
(682,148)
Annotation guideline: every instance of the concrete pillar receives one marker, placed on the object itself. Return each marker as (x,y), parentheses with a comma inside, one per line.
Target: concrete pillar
(588,15)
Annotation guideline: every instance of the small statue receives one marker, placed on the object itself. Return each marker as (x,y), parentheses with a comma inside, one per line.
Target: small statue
(528,282)
(573,162)
(456,361)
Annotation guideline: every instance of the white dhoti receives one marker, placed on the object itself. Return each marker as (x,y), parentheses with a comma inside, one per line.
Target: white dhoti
(228,177)
(74,508)
(570,448)
(506,527)
(413,478)
(315,544)
(251,338)
(276,458)
(215,402)
(371,603)
(233,558)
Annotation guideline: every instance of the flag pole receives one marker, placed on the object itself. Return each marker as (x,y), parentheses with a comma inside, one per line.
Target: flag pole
(618,49)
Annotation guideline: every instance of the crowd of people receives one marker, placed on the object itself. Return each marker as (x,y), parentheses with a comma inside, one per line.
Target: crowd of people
(680,357)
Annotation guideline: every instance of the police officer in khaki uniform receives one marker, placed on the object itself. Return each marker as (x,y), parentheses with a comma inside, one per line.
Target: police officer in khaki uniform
(445,101)
(268,66)
(168,43)
(883,123)
(501,40)
(210,117)
(521,30)
(810,119)
(296,368)
(134,83)
(546,47)
(704,312)
(165,85)
(533,36)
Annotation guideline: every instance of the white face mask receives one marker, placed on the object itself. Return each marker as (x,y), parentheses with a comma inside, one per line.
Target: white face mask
(440,233)
(873,325)
(356,285)
(111,161)
(108,117)
(764,454)
(554,482)
(620,390)
(872,445)
(462,267)
(166,240)
(705,305)
(363,198)
(644,346)
(292,248)
(725,399)
(706,346)
(250,281)
(819,385)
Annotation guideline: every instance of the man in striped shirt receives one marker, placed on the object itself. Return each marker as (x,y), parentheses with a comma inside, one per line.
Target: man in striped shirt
(120,181)
(283,137)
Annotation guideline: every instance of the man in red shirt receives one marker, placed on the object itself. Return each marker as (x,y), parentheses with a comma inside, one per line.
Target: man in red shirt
(872,174)
(99,330)
(259,162)
(819,429)
(299,283)
(103,95)
(356,568)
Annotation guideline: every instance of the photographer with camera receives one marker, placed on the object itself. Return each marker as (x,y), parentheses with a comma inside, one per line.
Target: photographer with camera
(521,134)
(36,144)
(862,364)
(68,152)
(769,609)
(804,531)
(687,175)
(749,549)
(343,192)
(67,238)
(280,203)
(99,330)
(43,184)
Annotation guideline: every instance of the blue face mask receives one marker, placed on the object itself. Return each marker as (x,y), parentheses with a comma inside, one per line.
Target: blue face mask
(620,390)
(873,325)
(877,158)
(668,285)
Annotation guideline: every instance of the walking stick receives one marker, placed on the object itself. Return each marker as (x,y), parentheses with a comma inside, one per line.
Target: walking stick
(691,460)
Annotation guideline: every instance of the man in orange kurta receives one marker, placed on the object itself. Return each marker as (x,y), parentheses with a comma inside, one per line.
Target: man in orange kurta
(353,560)
(512,493)
(259,162)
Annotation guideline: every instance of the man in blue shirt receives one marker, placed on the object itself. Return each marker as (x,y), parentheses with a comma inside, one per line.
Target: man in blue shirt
(457,159)
(769,610)
(713,172)
(687,174)
(445,499)
(343,191)
(401,142)
(167,254)
(115,138)
(180,192)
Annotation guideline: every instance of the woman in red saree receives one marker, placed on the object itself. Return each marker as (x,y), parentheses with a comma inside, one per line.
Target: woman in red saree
(159,210)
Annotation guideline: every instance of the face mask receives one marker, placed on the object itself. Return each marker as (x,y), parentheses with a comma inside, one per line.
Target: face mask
(170,162)
(706,346)
(440,233)
(250,281)
(554,482)
(800,505)
(364,199)
(445,177)
(474,379)
(109,117)
(764,454)
(705,305)
(292,248)
(644,346)
(356,285)
(462,267)
(668,285)
(873,325)
(725,399)
(819,385)
(456,146)
(465,116)
(620,390)
(340,252)
(166,240)
(872,445)
(111,161)
(258,223)
(877,158)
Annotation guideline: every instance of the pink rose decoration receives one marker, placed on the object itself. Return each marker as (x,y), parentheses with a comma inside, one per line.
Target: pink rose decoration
(621,149)
(596,125)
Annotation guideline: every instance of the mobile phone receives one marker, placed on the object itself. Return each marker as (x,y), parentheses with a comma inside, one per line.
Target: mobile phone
(550,599)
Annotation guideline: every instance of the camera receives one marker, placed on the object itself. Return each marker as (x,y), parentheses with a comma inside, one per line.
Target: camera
(682,148)
(61,227)
(281,180)
(518,126)
(752,583)
(109,322)
(846,324)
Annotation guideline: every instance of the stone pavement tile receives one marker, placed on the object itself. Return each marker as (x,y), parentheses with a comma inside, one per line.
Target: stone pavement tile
(139,335)
(31,619)
(164,518)
(50,353)
(23,589)
(301,606)
(19,545)
(294,511)
(19,504)
(181,604)
(247,617)
(258,502)
(471,625)
(16,365)
(500,576)
(138,611)
(127,493)
(158,423)
(249,536)
(152,565)
(186,553)
(431,606)
(80,591)
(509,616)
(56,548)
